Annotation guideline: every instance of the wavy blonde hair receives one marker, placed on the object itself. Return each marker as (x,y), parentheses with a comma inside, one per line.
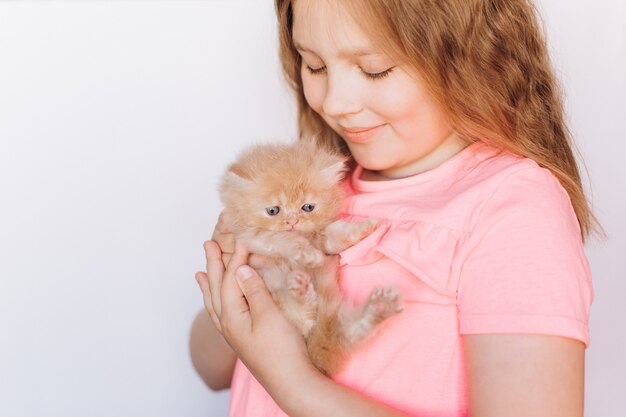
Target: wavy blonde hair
(484,61)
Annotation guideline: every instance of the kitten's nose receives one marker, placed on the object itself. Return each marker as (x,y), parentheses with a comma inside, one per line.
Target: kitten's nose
(291,221)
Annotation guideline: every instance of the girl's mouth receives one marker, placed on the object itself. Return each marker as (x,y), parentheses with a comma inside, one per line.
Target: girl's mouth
(360,134)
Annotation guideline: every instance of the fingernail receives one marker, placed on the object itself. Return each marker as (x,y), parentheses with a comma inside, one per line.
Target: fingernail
(243,273)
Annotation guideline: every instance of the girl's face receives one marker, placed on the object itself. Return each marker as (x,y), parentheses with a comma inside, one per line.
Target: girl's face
(391,124)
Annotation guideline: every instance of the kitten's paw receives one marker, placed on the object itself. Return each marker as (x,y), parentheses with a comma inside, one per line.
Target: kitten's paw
(300,284)
(362,230)
(367,227)
(385,302)
(309,257)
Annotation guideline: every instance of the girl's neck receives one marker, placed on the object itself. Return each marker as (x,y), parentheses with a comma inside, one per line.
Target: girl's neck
(452,145)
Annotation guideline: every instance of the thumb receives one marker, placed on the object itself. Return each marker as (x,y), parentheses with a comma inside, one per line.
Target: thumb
(254,289)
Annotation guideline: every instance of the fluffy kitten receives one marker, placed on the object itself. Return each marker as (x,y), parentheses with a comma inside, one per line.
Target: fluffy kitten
(282,201)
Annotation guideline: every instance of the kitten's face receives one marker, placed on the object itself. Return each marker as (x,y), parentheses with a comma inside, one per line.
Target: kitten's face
(294,208)
(283,188)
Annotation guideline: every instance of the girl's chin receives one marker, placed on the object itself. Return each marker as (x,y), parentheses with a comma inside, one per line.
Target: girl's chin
(370,163)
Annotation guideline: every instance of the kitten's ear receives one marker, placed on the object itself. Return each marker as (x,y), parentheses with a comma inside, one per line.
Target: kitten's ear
(232,180)
(335,172)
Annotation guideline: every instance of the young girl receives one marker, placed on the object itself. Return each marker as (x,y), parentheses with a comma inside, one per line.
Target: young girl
(451,114)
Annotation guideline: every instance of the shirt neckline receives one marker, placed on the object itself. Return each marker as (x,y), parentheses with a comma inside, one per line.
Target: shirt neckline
(439,171)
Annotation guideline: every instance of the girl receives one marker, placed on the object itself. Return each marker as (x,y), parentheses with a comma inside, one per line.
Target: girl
(450,112)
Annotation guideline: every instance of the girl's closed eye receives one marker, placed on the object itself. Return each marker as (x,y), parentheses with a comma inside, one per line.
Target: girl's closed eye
(368,74)
(378,75)
(318,70)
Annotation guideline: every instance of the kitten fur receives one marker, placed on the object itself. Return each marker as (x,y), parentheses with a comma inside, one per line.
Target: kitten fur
(281,201)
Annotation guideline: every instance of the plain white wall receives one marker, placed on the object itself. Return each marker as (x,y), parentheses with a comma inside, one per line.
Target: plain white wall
(116,120)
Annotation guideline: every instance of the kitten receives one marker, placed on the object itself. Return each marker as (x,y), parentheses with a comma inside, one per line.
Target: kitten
(282,201)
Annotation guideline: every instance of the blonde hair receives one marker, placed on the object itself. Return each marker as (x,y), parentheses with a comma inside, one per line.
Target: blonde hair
(484,61)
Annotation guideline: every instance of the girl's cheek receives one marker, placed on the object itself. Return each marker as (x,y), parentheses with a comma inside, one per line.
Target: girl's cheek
(314,92)
(395,100)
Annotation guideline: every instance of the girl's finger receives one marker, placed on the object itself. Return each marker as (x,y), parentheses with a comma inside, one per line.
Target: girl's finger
(215,273)
(203,281)
(223,224)
(222,234)
(226,241)
(255,291)
(260,261)
(231,292)
(239,257)
(226,258)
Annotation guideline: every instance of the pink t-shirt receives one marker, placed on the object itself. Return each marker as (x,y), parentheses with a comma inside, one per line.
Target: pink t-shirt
(485,243)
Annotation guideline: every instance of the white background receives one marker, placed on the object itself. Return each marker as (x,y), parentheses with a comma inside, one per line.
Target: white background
(116,120)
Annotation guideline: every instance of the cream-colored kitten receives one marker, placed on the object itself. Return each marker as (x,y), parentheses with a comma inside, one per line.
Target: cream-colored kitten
(282,201)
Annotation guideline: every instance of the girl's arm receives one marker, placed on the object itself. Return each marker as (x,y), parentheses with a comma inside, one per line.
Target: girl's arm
(212,358)
(524,375)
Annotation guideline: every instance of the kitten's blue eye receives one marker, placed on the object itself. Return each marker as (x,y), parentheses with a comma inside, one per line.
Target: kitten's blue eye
(308,207)
(272,211)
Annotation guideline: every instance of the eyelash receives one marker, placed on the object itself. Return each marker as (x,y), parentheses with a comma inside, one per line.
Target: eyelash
(373,76)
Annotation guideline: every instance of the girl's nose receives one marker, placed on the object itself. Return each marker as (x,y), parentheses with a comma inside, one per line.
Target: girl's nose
(341,97)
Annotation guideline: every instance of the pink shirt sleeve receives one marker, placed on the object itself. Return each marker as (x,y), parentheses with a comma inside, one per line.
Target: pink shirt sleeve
(525,270)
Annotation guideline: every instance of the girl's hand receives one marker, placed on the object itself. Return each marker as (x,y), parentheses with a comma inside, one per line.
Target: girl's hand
(243,310)
(224,237)
(272,349)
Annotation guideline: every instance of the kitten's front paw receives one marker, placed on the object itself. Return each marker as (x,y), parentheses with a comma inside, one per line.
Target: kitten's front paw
(365,229)
(309,257)
(385,302)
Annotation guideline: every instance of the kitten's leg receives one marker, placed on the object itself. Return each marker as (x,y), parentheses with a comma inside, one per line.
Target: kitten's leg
(340,234)
(381,304)
(303,293)
(325,343)
(288,245)
(340,327)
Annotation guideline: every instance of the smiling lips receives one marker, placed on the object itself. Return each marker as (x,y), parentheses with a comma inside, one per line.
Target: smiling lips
(360,134)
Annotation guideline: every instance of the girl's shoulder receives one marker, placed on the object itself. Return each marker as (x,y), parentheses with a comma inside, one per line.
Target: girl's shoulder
(508,183)
(492,168)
